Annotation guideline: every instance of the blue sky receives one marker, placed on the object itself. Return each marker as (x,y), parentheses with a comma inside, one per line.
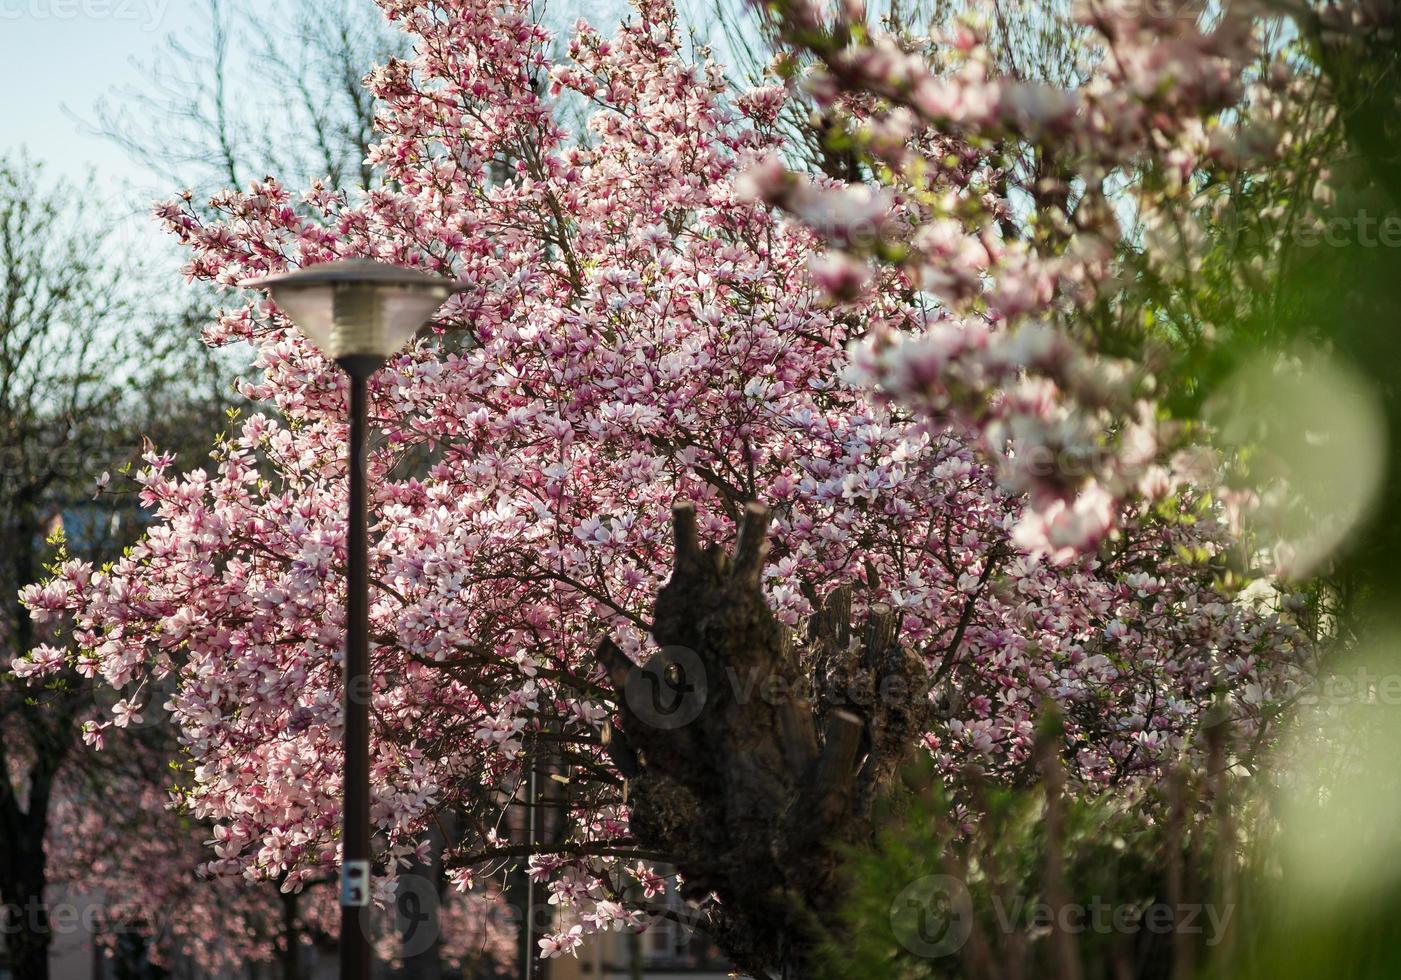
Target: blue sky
(57,57)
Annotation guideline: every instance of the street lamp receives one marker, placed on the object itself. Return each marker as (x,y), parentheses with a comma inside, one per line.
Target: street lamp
(358,313)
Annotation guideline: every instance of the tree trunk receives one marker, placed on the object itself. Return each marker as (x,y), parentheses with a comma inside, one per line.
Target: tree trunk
(418,905)
(132,959)
(291,952)
(752,756)
(23,863)
(27,932)
(515,887)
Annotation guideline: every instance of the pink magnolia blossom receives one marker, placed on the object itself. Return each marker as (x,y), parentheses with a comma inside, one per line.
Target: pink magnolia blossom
(1015,256)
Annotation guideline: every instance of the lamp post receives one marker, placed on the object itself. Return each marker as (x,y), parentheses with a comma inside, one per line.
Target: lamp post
(357,312)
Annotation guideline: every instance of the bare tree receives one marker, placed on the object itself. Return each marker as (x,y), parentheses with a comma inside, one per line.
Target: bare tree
(88,367)
(201,118)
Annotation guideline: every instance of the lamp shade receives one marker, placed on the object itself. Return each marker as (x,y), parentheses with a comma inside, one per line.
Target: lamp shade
(357,309)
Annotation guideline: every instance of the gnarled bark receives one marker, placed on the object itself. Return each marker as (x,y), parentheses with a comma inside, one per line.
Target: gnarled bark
(790,743)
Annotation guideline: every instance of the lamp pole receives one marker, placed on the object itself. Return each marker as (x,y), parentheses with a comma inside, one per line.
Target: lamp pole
(355,834)
(358,313)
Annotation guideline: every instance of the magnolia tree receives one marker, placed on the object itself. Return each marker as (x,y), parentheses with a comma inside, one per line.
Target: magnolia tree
(1103,201)
(136,857)
(639,333)
(998,199)
(136,860)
